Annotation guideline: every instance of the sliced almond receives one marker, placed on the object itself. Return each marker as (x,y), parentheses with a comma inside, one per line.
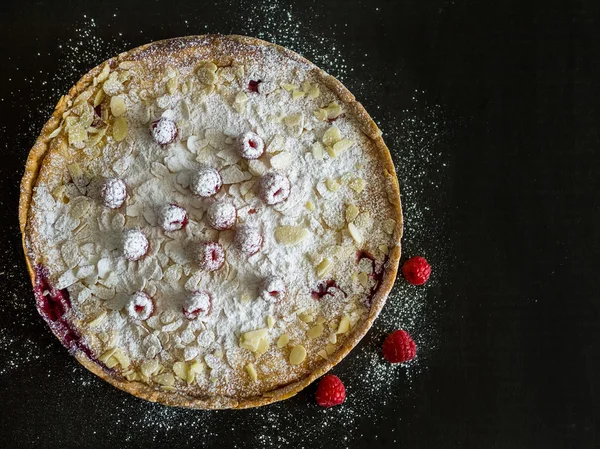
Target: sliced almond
(291,235)
(330,349)
(289,87)
(117,106)
(120,128)
(331,136)
(333,338)
(122,358)
(106,355)
(172,85)
(310,206)
(320,114)
(165,379)
(149,367)
(281,161)
(251,340)
(181,370)
(388,226)
(355,233)
(384,249)
(317,151)
(324,267)
(251,370)
(270,322)
(297,355)
(363,279)
(263,346)
(351,212)
(98,320)
(332,184)
(344,325)
(334,110)
(283,340)
(342,145)
(315,331)
(297,94)
(323,354)
(357,184)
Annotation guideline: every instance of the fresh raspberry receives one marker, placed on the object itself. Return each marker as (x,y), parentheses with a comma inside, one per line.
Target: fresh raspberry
(248,239)
(416,270)
(206,182)
(330,391)
(134,244)
(172,217)
(140,306)
(253,85)
(250,145)
(221,215)
(274,187)
(398,347)
(197,304)
(210,256)
(273,289)
(113,192)
(164,131)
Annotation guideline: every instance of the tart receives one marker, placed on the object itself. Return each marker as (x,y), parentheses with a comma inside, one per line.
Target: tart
(210,222)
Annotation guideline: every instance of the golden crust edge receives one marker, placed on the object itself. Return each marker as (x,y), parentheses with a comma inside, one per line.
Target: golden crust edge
(369,128)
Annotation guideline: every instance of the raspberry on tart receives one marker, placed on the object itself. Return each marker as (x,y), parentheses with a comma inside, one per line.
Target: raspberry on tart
(140,306)
(274,188)
(221,215)
(205,182)
(273,289)
(125,283)
(250,145)
(113,192)
(197,305)
(248,239)
(172,217)
(164,131)
(210,256)
(134,244)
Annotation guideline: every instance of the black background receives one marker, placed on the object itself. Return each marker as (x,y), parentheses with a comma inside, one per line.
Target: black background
(514,302)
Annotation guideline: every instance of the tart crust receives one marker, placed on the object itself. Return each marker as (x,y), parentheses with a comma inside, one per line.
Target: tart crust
(213,46)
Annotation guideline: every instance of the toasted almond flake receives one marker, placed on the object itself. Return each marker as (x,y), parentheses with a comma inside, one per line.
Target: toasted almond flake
(324,267)
(351,212)
(332,184)
(315,331)
(310,206)
(263,346)
(297,355)
(256,167)
(344,325)
(165,379)
(281,161)
(98,320)
(342,145)
(111,362)
(389,226)
(355,233)
(320,114)
(208,66)
(357,184)
(384,249)
(122,358)
(283,340)
(330,349)
(117,106)
(323,354)
(120,127)
(317,151)
(293,120)
(306,317)
(106,355)
(251,370)
(172,85)
(270,322)
(363,220)
(149,367)
(331,136)
(103,74)
(207,76)
(363,279)
(251,340)
(55,132)
(289,87)
(297,94)
(181,370)
(333,110)
(291,235)
(313,92)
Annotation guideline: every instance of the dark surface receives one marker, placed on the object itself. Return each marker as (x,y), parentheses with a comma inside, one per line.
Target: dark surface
(516,360)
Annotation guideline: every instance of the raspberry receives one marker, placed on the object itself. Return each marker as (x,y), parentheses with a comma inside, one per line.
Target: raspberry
(250,145)
(140,306)
(416,270)
(253,85)
(221,215)
(398,347)
(172,217)
(206,182)
(113,192)
(273,289)
(210,256)
(274,187)
(197,304)
(134,244)
(164,131)
(248,239)
(330,391)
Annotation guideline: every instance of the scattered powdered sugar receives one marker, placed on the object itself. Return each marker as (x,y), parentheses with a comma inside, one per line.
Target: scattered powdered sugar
(417,137)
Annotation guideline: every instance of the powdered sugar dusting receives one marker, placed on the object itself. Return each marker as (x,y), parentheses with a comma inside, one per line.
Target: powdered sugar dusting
(416,137)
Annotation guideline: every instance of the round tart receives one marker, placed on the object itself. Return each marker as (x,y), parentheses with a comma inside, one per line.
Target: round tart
(210,222)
